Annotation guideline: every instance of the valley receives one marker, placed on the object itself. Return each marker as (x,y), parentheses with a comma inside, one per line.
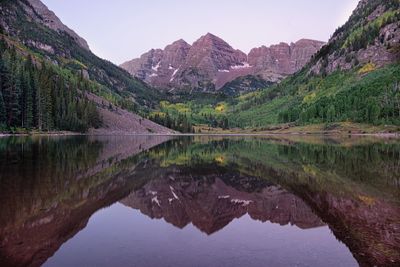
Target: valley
(51,81)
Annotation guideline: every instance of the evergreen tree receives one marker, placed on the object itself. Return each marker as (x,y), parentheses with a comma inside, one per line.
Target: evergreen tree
(2,111)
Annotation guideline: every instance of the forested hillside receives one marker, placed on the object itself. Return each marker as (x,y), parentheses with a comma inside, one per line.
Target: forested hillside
(39,95)
(29,21)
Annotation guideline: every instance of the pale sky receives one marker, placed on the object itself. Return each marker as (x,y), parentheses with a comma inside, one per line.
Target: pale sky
(121,30)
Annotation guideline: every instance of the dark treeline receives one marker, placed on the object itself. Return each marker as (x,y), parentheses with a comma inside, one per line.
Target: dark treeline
(180,123)
(364,104)
(216,121)
(37,95)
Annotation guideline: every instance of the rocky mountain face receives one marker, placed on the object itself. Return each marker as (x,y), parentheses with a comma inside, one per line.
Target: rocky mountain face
(210,63)
(40,13)
(278,61)
(370,36)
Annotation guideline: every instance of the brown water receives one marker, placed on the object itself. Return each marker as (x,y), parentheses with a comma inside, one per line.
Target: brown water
(199,201)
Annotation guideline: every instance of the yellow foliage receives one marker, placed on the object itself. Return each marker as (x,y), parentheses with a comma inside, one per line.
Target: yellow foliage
(164,104)
(220,159)
(367,200)
(179,107)
(367,68)
(179,161)
(159,113)
(310,170)
(309,98)
(220,107)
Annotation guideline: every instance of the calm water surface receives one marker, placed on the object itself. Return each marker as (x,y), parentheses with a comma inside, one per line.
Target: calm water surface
(199,201)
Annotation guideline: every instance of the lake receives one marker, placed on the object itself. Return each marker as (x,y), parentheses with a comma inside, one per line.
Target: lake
(199,201)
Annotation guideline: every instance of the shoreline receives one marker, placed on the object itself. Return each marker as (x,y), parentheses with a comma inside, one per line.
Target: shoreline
(343,129)
(327,134)
(40,134)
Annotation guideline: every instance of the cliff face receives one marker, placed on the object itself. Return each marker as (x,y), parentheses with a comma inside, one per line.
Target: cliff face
(211,62)
(283,59)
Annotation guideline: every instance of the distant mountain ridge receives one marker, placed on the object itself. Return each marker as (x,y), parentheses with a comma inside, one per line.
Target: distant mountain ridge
(210,63)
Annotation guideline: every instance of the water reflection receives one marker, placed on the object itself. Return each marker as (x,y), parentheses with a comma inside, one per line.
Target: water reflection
(50,187)
(210,201)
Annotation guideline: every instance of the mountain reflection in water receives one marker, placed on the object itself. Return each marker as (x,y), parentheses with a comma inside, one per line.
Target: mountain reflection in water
(51,187)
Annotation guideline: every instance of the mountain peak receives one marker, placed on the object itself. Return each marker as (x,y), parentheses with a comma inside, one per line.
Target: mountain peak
(210,38)
(211,62)
(210,35)
(179,43)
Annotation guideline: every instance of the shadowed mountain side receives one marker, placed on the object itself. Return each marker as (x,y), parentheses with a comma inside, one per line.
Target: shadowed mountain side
(210,204)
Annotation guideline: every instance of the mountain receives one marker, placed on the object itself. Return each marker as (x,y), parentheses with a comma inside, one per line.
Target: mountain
(159,66)
(50,79)
(210,63)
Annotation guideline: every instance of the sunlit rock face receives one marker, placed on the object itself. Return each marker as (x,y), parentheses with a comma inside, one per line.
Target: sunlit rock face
(210,63)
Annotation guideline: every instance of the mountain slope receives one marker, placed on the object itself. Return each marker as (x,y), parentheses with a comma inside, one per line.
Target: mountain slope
(210,63)
(371,35)
(39,29)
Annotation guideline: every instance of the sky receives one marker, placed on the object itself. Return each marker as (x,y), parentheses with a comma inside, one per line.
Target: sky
(121,30)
